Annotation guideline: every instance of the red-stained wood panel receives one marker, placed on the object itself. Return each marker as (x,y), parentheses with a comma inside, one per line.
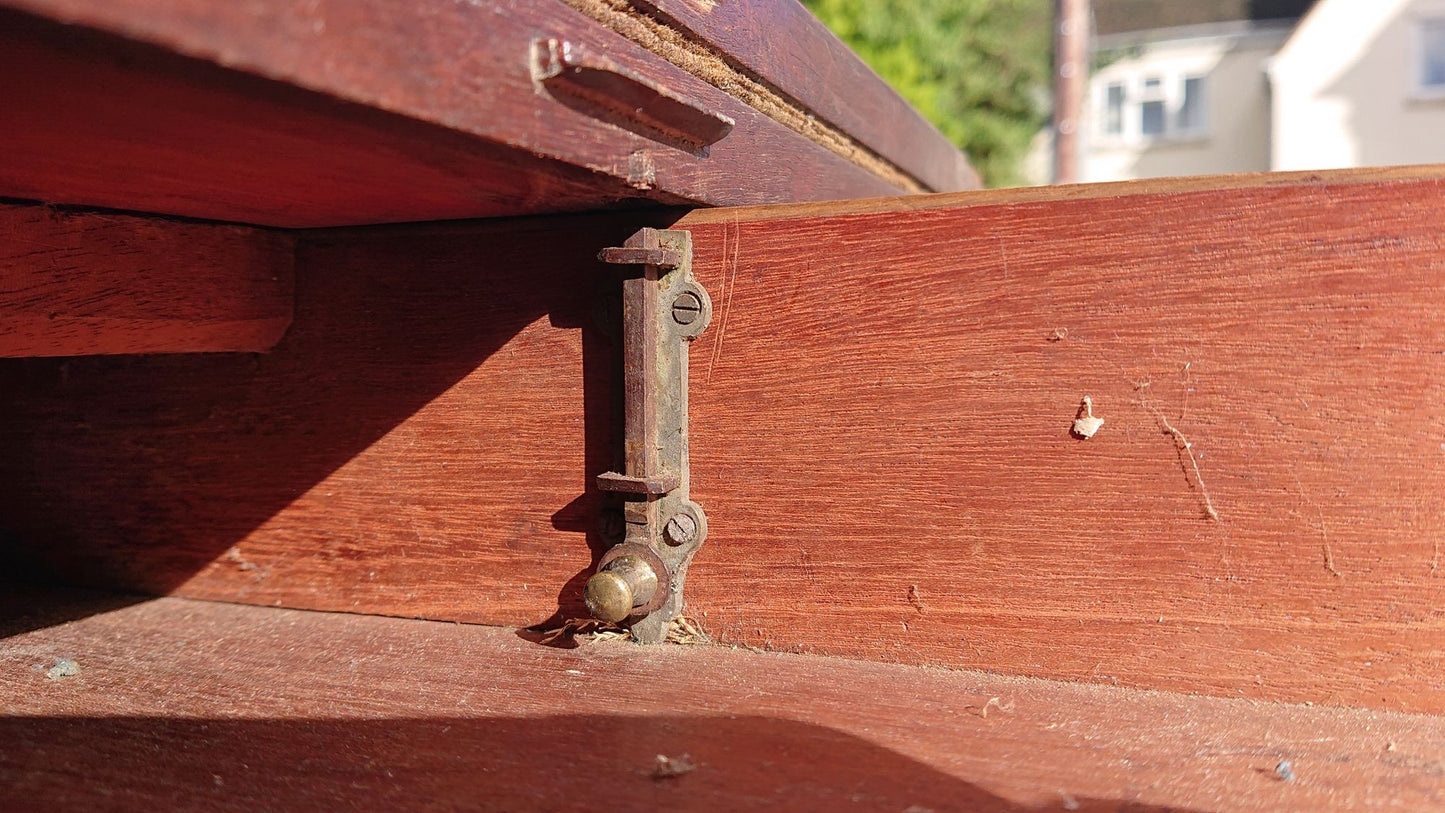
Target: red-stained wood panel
(882,435)
(297,113)
(194,705)
(431,421)
(881,415)
(86,283)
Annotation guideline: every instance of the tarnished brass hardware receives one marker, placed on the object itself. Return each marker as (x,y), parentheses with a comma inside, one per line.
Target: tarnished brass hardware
(662,310)
(627,583)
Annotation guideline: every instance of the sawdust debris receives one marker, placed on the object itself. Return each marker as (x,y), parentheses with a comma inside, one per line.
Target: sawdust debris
(63,668)
(687,632)
(665,767)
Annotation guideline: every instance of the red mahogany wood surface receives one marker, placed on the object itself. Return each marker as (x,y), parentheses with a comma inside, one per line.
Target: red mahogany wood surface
(296,113)
(222,707)
(881,416)
(87,283)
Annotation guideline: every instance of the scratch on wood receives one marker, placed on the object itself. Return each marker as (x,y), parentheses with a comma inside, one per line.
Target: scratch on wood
(1186,450)
(729,283)
(994,702)
(1435,561)
(806,563)
(1329,554)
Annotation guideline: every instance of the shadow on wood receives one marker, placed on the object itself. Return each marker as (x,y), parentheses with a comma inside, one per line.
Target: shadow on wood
(555,762)
(322,474)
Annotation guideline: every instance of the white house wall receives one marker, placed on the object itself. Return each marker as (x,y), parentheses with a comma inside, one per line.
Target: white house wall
(1235,136)
(1347,91)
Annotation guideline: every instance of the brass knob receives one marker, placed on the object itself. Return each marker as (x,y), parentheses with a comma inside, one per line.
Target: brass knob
(626,583)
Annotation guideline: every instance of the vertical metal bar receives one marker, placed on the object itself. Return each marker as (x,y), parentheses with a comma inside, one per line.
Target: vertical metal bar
(639,332)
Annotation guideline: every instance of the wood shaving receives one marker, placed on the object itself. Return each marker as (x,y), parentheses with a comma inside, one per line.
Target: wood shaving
(1187,448)
(685,631)
(995,703)
(1085,425)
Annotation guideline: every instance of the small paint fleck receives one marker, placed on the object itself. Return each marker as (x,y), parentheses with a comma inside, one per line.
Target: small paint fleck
(1284,771)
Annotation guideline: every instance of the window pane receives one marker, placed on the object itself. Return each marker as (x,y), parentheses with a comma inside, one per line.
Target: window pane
(1114,109)
(1151,118)
(1151,84)
(1433,53)
(1191,109)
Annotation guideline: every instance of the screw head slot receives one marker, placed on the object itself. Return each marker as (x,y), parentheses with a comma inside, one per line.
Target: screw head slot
(686,308)
(681,529)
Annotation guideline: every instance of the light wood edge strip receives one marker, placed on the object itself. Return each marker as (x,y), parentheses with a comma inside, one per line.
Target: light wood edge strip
(1044,194)
(712,66)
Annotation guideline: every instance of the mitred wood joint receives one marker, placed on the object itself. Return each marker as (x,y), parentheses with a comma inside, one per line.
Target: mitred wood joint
(75,284)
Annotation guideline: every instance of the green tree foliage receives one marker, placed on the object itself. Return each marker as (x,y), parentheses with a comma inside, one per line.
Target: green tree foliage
(978,69)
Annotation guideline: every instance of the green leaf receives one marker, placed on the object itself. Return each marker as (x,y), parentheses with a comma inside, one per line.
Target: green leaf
(978,69)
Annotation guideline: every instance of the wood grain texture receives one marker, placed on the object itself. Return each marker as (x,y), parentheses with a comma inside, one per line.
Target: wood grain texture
(881,430)
(296,113)
(881,417)
(85,283)
(807,62)
(188,704)
(433,419)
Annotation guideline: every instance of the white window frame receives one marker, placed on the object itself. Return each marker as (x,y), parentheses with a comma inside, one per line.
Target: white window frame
(1159,94)
(1417,65)
(1104,106)
(1171,92)
(1201,128)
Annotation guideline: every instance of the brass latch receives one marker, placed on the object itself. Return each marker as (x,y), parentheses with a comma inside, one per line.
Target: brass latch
(639,581)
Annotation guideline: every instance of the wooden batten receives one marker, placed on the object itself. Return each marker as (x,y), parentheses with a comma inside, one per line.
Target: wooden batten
(74,284)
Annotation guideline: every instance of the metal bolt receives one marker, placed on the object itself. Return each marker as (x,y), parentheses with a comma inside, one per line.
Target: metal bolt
(614,592)
(686,308)
(681,529)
